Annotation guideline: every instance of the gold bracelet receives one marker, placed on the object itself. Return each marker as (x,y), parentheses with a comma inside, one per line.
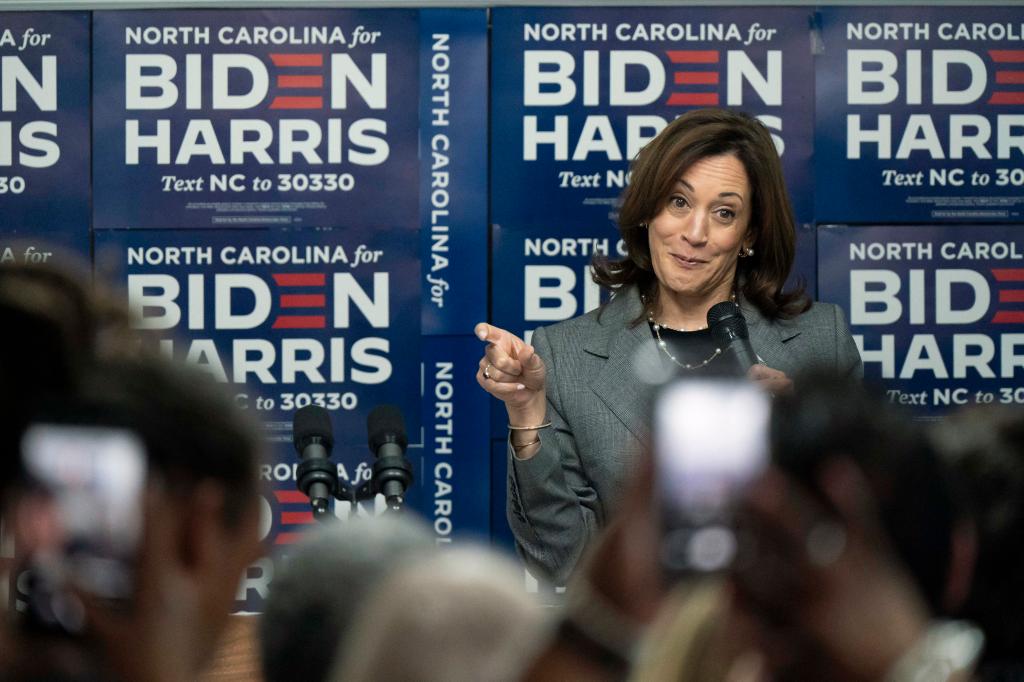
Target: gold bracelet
(529,428)
(517,448)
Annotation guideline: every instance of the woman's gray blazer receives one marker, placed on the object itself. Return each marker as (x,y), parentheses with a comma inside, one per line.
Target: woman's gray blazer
(598,407)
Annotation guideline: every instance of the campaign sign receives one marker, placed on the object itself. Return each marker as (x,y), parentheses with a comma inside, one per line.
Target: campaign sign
(577,92)
(920,115)
(287,318)
(255,118)
(453,481)
(936,311)
(453,169)
(540,278)
(44,135)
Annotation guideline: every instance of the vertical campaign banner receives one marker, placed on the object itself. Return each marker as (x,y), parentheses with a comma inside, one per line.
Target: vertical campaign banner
(255,118)
(577,92)
(453,476)
(453,169)
(44,136)
(920,114)
(286,318)
(937,311)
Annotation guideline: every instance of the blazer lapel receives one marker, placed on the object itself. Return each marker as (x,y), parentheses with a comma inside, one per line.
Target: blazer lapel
(768,339)
(629,353)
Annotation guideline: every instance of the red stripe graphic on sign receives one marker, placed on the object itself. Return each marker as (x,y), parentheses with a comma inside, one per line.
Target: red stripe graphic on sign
(1007,55)
(297,59)
(290,496)
(303,279)
(287,538)
(1006,98)
(693,56)
(1009,317)
(297,103)
(1012,296)
(1008,274)
(300,81)
(696,78)
(303,301)
(1010,77)
(693,98)
(294,518)
(300,322)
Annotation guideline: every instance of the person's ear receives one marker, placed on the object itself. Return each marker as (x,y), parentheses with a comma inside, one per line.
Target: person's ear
(963,554)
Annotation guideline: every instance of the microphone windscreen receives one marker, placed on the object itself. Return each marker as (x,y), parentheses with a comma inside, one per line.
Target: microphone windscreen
(312,421)
(386,425)
(726,322)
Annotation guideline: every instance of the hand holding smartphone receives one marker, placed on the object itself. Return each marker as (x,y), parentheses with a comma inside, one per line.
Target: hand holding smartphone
(710,443)
(79,520)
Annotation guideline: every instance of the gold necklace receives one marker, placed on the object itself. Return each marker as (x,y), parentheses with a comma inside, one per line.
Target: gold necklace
(664,347)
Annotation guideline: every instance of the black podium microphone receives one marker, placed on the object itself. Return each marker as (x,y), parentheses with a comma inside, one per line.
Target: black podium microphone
(313,437)
(392,473)
(729,332)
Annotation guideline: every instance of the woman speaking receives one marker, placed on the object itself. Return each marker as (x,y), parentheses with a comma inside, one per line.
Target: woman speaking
(705,219)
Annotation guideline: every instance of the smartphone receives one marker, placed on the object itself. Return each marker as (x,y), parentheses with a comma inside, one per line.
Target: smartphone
(78,520)
(710,442)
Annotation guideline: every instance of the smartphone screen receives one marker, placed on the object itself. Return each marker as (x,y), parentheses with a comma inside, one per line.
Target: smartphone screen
(710,442)
(78,521)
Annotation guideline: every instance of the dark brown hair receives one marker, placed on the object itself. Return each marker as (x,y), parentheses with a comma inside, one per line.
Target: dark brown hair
(694,136)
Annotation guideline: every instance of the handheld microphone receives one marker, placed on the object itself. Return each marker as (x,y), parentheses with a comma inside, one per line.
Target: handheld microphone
(314,438)
(729,332)
(392,473)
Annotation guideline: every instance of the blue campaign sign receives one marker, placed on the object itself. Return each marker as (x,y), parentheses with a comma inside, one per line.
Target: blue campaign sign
(255,118)
(44,135)
(919,115)
(454,477)
(286,318)
(576,92)
(453,168)
(936,311)
(540,279)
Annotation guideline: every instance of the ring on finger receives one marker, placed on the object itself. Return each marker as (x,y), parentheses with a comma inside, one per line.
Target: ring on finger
(487,371)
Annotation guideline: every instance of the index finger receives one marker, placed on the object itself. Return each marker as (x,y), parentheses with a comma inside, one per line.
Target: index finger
(505,340)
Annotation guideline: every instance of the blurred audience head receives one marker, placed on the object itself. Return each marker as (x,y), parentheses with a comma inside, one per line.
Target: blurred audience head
(55,321)
(198,513)
(321,585)
(74,361)
(458,616)
(984,447)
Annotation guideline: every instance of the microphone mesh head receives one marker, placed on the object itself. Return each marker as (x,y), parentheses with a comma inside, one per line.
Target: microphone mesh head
(386,425)
(722,311)
(312,421)
(726,322)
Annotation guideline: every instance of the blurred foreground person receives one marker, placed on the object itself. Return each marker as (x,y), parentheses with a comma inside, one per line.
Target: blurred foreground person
(851,555)
(856,548)
(321,586)
(54,324)
(984,446)
(142,603)
(459,616)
